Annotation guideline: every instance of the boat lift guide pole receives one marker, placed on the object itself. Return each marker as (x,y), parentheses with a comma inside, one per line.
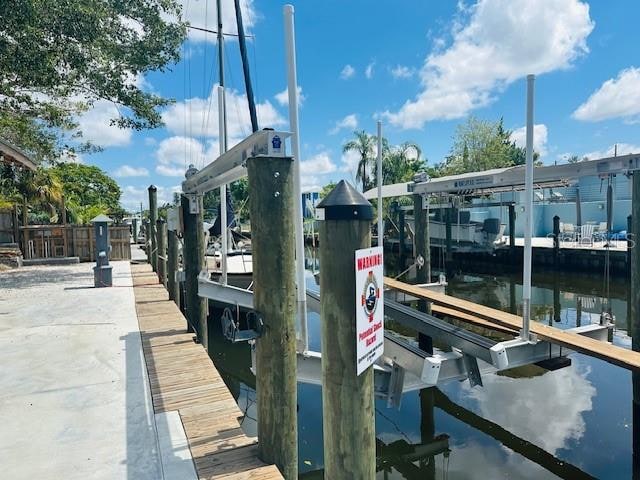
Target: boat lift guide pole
(528,215)
(222,133)
(380,228)
(292,87)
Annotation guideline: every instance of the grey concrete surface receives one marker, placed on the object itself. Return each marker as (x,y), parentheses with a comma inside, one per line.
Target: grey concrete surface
(74,394)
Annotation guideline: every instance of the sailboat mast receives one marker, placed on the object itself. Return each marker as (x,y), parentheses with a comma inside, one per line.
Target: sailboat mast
(245,67)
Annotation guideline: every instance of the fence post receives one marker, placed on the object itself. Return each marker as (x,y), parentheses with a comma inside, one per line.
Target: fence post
(347,398)
(274,298)
(193,255)
(153,217)
(161,234)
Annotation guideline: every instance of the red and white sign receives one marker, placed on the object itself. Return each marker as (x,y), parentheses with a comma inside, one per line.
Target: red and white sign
(369,307)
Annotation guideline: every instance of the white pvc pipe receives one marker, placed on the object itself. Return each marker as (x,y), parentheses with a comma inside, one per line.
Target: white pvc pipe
(292,85)
(528,214)
(380,227)
(222,133)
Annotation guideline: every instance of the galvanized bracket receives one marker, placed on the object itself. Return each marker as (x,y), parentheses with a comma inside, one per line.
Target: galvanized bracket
(231,326)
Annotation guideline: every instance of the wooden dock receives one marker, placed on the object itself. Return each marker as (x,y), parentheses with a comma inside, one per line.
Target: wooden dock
(474,313)
(183,379)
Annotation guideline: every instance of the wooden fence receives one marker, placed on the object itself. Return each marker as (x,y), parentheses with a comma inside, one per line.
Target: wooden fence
(43,241)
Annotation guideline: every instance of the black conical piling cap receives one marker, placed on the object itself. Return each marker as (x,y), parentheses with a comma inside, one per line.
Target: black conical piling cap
(152,188)
(346,203)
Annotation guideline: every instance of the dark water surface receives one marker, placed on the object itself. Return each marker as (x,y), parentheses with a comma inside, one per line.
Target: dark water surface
(575,422)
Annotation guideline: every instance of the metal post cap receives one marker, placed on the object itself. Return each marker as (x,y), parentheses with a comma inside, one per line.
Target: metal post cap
(152,188)
(346,203)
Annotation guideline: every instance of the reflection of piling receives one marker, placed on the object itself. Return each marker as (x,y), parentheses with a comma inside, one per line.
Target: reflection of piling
(193,255)
(427,430)
(423,249)
(556,239)
(151,231)
(512,228)
(161,235)
(273,233)
(347,399)
(557,308)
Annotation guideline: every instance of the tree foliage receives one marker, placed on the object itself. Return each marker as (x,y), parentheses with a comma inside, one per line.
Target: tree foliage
(481,145)
(58,57)
(365,146)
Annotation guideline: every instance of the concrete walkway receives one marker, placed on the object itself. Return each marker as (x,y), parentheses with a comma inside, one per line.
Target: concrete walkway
(74,392)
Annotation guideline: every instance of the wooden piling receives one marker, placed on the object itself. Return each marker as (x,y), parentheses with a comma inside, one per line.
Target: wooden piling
(634,308)
(161,235)
(272,241)
(134,230)
(401,235)
(173,286)
(151,232)
(347,399)
(629,232)
(423,249)
(193,256)
(448,240)
(147,240)
(556,239)
(512,227)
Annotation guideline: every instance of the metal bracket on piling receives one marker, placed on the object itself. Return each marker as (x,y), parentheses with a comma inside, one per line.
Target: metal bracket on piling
(231,327)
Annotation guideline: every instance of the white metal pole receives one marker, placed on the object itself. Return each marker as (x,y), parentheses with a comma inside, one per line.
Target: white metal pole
(222,133)
(380,227)
(292,85)
(528,217)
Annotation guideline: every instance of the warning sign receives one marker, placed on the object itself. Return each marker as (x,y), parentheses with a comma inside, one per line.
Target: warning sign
(369,307)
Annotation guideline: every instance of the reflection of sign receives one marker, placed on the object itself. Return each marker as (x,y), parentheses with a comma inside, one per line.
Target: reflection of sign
(369,307)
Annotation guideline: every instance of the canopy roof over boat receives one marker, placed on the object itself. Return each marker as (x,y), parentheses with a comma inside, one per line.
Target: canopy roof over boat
(13,155)
(510,179)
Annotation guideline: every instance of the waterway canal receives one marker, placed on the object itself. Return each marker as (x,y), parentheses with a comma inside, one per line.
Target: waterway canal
(575,422)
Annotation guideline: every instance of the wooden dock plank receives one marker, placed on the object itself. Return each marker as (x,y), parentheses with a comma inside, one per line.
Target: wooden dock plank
(605,351)
(183,378)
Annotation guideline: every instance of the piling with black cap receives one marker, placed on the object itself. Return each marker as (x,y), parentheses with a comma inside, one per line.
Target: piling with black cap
(151,231)
(271,204)
(347,399)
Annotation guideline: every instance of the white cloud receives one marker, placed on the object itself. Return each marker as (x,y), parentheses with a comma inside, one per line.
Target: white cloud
(129,171)
(349,122)
(132,196)
(623,149)
(198,117)
(350,161)
(347,72)
(96,127)
(495,43)
(617,97)
(71,157)
(310,184)
(519,135)
(150,141)
(174,155)
(368,72)
(319,164)
(283,97)
(401,71)
(203,14)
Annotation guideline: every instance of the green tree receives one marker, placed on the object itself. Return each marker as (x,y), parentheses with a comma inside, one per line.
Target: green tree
(365,146)
(86,186)
(61,56)
(481,145)
(399,163)
(40,190)
(327,189)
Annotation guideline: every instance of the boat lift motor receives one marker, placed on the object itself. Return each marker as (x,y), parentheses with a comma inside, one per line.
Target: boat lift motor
(102,272)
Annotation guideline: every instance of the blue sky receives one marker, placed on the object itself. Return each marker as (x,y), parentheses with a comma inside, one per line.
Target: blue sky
(421,67)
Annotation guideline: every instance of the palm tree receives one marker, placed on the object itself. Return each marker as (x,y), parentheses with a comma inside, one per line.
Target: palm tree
(400,163)
(40,187)
(365,145)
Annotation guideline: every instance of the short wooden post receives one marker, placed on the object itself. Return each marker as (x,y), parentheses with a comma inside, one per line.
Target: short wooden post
(272,236)
(151,231)
(172,267)
(193,255)
(161,235)
(423,249)
(556,239)
(512,227)
(347,399)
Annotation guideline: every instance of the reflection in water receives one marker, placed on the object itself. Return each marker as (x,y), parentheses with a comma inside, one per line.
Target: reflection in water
(554,425)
